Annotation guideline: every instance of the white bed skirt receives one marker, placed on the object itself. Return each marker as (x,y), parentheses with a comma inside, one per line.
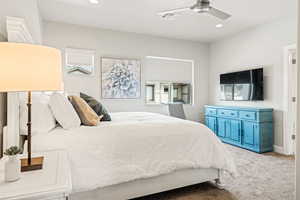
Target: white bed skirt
(143,187)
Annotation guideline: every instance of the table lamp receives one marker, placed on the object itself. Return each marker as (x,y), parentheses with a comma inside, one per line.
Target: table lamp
(27,68)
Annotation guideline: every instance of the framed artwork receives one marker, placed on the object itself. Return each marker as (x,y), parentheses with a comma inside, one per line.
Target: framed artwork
(120,78)
(80,62)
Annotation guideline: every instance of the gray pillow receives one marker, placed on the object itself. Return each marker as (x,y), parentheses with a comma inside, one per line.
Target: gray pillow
(96,106)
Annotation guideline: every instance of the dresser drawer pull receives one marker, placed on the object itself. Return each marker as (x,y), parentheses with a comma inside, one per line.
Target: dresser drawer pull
(222,113)
(232,113)
(247,115)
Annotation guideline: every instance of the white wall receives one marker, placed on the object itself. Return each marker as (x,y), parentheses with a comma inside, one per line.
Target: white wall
(2,110)
(27,10)
(298,115)
(261,46)
(120,44)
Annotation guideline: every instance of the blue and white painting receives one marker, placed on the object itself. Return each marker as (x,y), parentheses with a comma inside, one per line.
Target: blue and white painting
(121,78)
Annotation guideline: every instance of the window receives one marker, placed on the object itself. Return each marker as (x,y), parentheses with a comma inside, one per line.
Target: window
(167,92)
(172,79)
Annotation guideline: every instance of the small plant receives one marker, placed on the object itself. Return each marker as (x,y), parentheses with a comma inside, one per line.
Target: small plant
(12,151)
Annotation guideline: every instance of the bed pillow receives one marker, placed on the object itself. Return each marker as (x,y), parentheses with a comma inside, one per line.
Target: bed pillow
(86,114)
(96,106)
(63,111)
(42,118)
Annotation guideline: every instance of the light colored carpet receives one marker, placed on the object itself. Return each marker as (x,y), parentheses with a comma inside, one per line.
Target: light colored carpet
(261,177)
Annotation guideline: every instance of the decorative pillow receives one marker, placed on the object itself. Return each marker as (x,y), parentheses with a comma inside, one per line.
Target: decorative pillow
(96,106)
(63,111)
(86,114)
(42,118)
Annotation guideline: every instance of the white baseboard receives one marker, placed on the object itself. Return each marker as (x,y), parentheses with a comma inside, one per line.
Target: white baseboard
(279,149)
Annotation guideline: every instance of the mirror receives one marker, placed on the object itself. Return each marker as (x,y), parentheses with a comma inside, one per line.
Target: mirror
(158,92)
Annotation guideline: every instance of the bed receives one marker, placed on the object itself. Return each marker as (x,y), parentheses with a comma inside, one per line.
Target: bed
(188,138)
(138,154)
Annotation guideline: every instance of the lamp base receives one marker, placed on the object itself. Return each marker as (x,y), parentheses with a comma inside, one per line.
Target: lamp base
(36,164)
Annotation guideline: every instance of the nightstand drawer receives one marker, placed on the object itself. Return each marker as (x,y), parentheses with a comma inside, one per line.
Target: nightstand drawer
(228,113)
(248,115)
(211,111)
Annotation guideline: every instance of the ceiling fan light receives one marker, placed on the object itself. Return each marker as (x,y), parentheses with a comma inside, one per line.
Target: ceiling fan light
(197,9)
(201,9)
(205,9)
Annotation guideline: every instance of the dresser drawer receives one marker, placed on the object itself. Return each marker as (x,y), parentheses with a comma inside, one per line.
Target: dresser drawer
(228,113)
(248,115)
(211,111)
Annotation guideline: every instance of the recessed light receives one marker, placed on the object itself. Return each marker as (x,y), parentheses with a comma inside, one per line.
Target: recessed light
(94,1)
(219,25)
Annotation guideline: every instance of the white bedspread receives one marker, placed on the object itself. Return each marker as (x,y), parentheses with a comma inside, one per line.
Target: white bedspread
(134,146)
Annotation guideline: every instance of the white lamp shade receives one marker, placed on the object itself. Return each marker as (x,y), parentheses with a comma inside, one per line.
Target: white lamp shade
(27,67)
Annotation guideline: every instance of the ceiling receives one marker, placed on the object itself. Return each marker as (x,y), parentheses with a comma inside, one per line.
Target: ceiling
(140,16)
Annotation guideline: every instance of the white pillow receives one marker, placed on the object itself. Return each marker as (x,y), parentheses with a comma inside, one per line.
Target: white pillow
(42,118)
(63,111)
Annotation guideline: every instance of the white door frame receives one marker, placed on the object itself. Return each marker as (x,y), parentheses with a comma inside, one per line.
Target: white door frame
(287,135)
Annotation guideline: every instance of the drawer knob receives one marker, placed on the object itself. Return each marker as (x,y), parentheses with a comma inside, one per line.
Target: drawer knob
(247,115)
(232,113)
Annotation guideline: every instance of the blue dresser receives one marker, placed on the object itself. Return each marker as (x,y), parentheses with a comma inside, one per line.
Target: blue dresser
(245,127)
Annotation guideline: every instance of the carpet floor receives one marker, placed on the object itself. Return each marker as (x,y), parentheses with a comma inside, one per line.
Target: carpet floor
(267,176)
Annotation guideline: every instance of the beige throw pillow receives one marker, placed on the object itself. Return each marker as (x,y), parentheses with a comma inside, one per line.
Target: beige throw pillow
(86,114)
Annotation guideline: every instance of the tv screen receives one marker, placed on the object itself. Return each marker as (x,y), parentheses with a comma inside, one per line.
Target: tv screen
(242,86)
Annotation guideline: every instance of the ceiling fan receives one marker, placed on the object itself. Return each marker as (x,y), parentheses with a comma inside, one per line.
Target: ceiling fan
(201,6)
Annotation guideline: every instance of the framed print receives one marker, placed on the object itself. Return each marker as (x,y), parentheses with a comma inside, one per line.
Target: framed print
(120,78)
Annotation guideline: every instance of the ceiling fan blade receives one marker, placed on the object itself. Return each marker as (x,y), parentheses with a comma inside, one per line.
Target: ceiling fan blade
(174,11)
(218,13)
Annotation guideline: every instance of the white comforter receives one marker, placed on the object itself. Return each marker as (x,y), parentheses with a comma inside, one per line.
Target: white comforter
(134,146)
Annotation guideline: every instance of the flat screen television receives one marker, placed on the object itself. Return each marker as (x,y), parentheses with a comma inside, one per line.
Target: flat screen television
(243,86)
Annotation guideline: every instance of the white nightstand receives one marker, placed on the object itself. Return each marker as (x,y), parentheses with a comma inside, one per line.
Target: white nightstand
(53,182)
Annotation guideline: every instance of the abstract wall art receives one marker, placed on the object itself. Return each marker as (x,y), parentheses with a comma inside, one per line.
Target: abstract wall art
(120,78)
